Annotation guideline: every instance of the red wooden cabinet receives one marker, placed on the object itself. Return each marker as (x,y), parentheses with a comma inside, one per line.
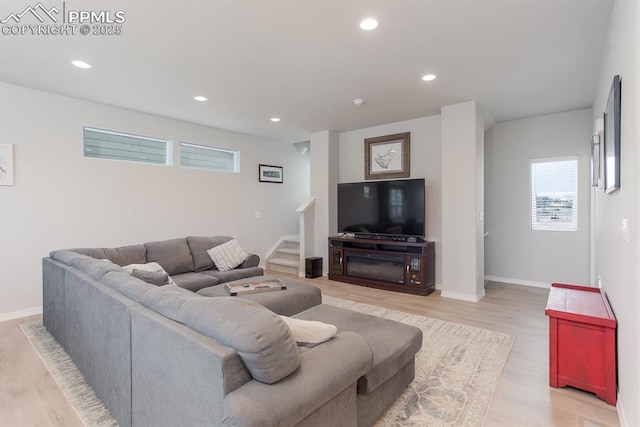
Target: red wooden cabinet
(582,340)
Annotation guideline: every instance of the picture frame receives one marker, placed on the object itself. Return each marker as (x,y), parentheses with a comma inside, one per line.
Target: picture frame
(387,157)
(595,161)
(6,164)
(611,149)
(270,173)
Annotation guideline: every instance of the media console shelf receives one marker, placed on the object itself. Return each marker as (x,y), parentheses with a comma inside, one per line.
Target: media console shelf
(392,265)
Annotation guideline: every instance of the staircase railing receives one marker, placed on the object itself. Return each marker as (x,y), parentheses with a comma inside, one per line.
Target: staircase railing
(306,216)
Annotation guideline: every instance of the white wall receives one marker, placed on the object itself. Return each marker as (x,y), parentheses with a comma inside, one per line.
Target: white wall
(462,192)
(61,199)
(425,163)
(617,261)
(324,178)
(514,253)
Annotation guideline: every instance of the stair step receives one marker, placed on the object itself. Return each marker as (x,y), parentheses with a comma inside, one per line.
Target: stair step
(291,243)
(284,262)
(289,251)
(282,269)
(283,266)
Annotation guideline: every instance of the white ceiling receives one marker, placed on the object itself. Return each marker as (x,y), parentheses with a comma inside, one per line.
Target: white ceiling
(305,61)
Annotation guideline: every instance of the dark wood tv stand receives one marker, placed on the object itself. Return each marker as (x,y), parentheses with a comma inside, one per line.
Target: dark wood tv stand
(392,265)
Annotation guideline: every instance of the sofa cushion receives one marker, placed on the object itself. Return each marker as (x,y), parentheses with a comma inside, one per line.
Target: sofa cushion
(157,278)
(195,281)
(235,274)
(393,344)
(124,255)
(173,255)
(260,337)
(149,267)
(199,246)
(227,256)
(95,268)
(127,285)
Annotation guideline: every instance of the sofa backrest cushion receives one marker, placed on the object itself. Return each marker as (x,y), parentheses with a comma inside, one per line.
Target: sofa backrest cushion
(260,337)
(105,272)
(128,285)
(95,268)
(133,254)
(199,246)
(173,255)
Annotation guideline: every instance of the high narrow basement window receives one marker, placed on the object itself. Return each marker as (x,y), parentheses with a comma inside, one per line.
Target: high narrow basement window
(207,157)
(107,144)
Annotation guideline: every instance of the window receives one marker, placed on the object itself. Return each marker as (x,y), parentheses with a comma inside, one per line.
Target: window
(554,194)
(106,144)
(206,157)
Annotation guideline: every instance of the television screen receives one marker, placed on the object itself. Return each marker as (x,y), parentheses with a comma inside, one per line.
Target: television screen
(382,207)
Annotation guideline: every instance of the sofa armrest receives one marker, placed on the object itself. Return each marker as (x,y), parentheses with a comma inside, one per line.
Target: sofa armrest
(179,376)
(325,371)
(252,261)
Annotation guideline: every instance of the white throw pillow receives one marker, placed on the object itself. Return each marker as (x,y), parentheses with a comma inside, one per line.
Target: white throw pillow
(309,333)
(227,256)
(152,267)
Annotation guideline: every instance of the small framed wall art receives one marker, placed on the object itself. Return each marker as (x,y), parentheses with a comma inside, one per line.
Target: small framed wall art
(270,173)
(387,156)
(6,164)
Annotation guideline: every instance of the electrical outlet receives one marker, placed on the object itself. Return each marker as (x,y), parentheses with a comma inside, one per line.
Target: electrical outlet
(257,214)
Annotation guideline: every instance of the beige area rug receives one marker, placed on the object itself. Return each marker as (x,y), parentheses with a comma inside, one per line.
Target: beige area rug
(80,395)
(457,372)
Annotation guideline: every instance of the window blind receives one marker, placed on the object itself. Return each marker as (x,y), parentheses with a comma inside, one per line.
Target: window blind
(554,194)
(206,157)
(106,144)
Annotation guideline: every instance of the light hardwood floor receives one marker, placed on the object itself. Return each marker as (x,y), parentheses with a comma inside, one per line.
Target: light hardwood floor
(30,397)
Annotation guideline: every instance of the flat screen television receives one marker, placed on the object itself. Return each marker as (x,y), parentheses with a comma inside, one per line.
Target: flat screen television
(382,208)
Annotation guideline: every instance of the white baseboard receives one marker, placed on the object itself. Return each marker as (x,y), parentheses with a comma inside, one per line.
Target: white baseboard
(20,313)
(621,415)
(512,281)
(463,297)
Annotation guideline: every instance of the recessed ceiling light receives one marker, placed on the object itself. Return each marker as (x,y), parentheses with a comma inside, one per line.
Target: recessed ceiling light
(200,98)
(275,119)
(369,24)
(81,64)
(428,77)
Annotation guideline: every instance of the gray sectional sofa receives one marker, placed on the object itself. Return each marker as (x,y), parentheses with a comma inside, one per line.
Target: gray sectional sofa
(167,356)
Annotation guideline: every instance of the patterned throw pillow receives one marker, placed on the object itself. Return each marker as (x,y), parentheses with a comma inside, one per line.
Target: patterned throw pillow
(227,256)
